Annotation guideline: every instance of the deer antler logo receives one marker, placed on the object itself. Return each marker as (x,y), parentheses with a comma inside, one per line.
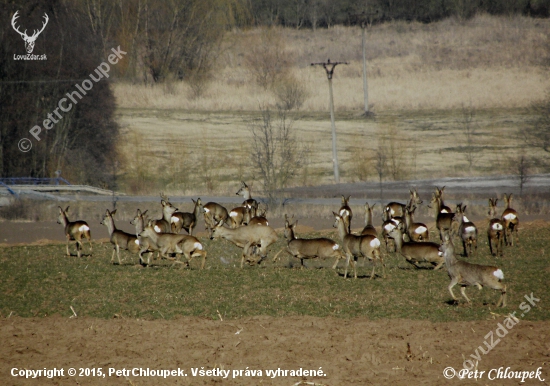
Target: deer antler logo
(29,40)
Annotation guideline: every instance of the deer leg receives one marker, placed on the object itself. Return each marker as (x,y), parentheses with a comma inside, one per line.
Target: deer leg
(68,253)
(502,300)
(463,292)
(383,267)
(347,265)
(439,265)
(118,254)
(113,255)
(89,237)
(454,282)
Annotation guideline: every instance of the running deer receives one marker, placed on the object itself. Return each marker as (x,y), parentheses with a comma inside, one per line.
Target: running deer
(511,222)
(467,274)
(249,202)
(495,232)
(321,248)
(164,225)
(416,231)
(185,220)
(354,247)
(443,220)
(466,230)
(369,229)
(414,253)
(248,238)
(119,239)
(396,209)
(213,214)
(166,243)
(346,213)
(75,230)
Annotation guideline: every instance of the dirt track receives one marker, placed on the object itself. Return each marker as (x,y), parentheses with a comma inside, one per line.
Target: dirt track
(350,352)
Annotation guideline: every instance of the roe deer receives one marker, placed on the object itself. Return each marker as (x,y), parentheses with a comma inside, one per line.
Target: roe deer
(467,274)
(321,248)
(354,247)
(119,239)
(186,220)
(369,229)
(396,209)
(439,194)
(466,230)
(416,231)
(511,222)
(495,232)
(213,214)
(346,213)
(248,238)
(250,217)
(75,230)
(388,224)
(164,225)
(165,243)
(443,220)
(414,253)
(249,202)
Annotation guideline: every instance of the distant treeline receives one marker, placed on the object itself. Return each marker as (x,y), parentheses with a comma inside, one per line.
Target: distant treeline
(326,13)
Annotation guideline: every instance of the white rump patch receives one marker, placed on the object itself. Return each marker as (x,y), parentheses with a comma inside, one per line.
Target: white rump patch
(198,246)
(206,210)
(440,253)
(392,211)
(266,223)
(344,212)
(175,220)
(233,214)
(389,227)
(157,229)
(420,230)
(465,219)
(497,226)
(136,241)
(498,273)
(84,228)
(510,216)
(375,243)
(443,211)
(395,221)
(335,247)
(470,229)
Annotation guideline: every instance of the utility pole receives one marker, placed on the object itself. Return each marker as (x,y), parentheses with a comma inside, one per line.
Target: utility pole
(365,86)
(329,68)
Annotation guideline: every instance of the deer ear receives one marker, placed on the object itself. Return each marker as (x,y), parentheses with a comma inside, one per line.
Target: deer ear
(66,210)
(144,213)
(113,212)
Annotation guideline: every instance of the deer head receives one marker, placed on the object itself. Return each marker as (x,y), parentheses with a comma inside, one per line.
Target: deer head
(29,40)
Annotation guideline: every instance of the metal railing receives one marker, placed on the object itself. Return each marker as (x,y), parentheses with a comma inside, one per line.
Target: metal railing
(33,181)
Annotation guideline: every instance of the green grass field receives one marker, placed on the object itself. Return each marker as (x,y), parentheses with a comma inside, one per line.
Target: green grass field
(41,281)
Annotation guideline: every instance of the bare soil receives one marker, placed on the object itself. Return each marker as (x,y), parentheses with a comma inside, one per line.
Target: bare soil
(350,352)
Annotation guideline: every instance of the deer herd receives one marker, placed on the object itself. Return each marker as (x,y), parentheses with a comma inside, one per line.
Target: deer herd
(247,228)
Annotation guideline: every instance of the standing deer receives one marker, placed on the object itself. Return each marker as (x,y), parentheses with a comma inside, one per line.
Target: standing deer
(396,209)
(164,225)
(166,243)
(244,191)
(119,239)
(29,40)
(248,238)
(322,248)
(388,224)
(467,274)
(495,232)
(414,253)
(185,220)
(75,230)
(439,194)
(416,231)
(346,213)
(443,220)
(369,229)
(354,247)
(511,222)
(252,219)
(466,230)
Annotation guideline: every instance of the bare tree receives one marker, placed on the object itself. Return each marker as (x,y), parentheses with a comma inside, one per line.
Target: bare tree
(469,128)
(276,153)
(521,166)
(381,162)
(537,134)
